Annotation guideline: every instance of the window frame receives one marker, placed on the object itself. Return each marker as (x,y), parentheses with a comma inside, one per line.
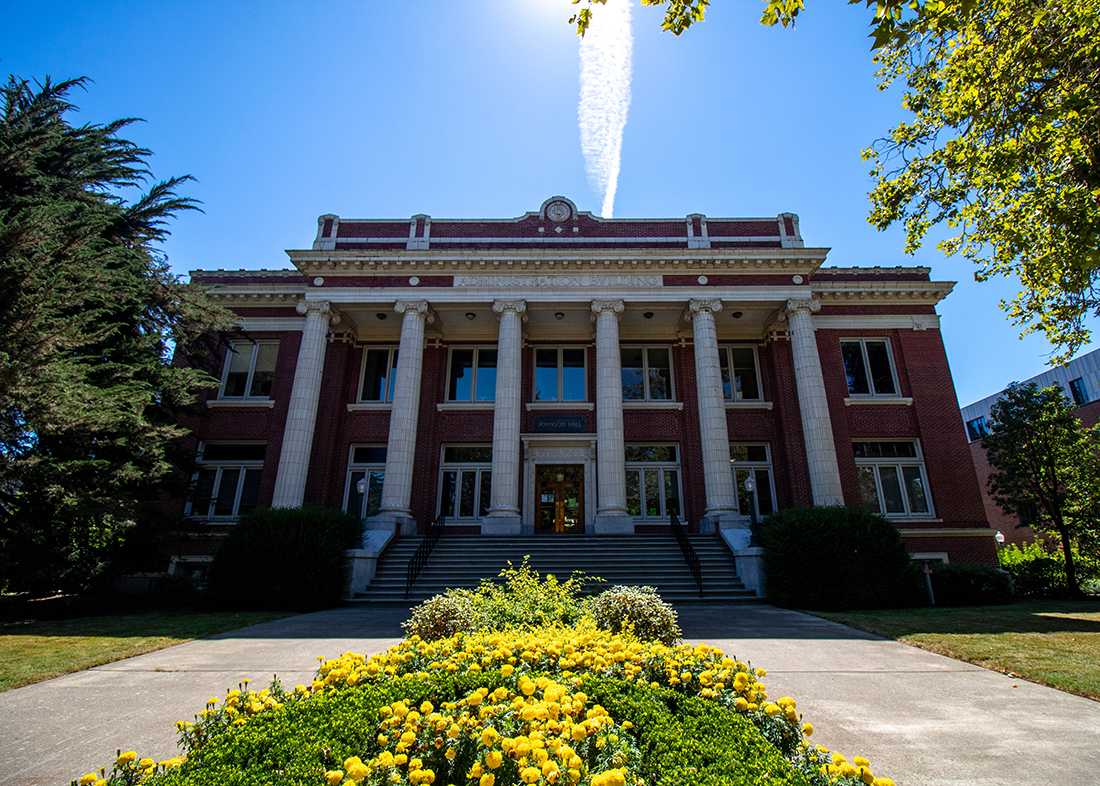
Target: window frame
(353,467)
(1082,387)
(862,341)
(478,467)
(754,466)
(255,345)
(978,433)
(661,467)
(727,352)
(219,467)
(645,372)
(391,369)
(473,379)
(899,464)
(559,348)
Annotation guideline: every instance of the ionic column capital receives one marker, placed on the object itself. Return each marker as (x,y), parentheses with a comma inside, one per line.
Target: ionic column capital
(615,307)
(320,308)
(515,306)
(794,305)
(699,306)
(419,307)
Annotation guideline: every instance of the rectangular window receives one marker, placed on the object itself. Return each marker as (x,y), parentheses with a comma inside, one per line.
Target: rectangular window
(560,374)
(226,484)
(465,484)
(755,461)
(653,481)
(378,378)
(869,367)
(1079,391)
(892,479)
(740,373)
(976,428)
(473,374)
(249,370)
(646,373)
(366,472)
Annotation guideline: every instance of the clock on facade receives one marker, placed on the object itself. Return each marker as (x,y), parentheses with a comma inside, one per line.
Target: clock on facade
(558,211)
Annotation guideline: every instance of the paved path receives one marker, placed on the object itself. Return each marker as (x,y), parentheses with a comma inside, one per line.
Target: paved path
(919,717)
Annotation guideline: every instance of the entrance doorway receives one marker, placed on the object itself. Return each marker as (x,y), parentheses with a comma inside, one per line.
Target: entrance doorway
(559,498)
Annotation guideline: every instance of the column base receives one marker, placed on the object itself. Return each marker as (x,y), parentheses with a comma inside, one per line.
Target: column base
(398,523)
(718,520)
(509,524)
(361,564)
(613,524)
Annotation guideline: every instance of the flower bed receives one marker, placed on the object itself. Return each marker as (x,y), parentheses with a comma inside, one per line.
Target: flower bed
(555,704)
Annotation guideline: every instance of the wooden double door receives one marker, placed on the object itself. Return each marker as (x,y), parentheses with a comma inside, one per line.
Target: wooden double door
(559,498)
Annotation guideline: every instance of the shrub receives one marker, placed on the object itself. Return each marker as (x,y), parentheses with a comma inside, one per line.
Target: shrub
(970,585)
(641,609)
(519,597)
(290,558)
(1039,571)
(834,558)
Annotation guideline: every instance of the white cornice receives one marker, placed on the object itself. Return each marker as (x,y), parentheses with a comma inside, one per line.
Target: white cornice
(893,292)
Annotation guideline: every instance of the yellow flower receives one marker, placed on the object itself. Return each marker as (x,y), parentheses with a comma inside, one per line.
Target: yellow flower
(127,757)
(333,777)
(146,763)
(488,779)
(493,759)
(88,778)
(807,729)
(530,775)
(861,761)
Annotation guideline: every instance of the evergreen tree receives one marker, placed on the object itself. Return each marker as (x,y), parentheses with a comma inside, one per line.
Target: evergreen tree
(90,316)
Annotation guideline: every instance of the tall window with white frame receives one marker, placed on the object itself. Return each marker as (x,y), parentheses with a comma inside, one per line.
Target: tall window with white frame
(466,481)
(892,478)
(472,374)
(653,481)
(647,373)
(366,472)
(869,367)
(740,373)
(753,460)
(378,376)
(249,370)
(560,374)
(226,484)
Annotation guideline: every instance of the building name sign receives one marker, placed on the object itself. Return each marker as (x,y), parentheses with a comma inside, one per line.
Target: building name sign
(560,424)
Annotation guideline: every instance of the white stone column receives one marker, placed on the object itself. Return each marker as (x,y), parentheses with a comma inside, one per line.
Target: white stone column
(401,447)
(817,427)
(611,515)
(301,417)
(503,518)
(714,434)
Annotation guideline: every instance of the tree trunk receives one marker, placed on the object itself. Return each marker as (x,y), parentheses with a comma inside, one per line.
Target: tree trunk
(1071,568)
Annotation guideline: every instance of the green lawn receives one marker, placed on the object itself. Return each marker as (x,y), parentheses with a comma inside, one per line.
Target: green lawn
(1056,643)
(35,651)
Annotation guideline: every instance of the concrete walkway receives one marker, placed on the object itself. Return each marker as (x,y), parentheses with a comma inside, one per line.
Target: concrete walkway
(920,718)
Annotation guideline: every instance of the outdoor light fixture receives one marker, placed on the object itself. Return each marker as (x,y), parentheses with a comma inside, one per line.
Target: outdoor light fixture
(648,315)
(999,537)
(471,315)
(361,486)
(559,315)
(381,315)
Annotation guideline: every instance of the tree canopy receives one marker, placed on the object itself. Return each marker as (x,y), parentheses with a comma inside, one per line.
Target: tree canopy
(1046,466)
(1000,149)
(89,318)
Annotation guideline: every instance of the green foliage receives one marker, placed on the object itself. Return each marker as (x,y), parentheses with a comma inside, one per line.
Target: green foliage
(518,598)
(834,558)
(679,14)
(970,585)
(285,558)
(1038,570)
(640,609)
(1045,462)
(89,318)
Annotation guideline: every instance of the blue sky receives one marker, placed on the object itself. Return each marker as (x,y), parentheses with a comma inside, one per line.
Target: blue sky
(465,108)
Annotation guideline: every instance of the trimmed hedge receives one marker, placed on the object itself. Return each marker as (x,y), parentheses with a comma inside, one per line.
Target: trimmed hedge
(970,585)
(835,558)
(285,558)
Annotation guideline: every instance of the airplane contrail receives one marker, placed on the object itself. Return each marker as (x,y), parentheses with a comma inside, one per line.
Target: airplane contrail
(605,97)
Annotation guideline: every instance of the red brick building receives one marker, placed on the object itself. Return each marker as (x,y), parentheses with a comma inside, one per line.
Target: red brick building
(564,373)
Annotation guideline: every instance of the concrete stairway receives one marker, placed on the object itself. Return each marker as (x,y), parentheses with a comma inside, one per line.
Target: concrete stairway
(656,560)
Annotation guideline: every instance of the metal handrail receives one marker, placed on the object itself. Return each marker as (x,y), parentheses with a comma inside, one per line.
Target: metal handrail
(688,551)
(423,551)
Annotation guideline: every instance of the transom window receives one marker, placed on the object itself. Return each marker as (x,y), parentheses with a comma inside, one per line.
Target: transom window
(740,373)
(466,481)
(559,374)
(892,479)
(755,461)
(869,367)
(378,377)
(653,481)
(976,428)
(249,370)
(226,484)
(366,473)
(647,373)
(473,374)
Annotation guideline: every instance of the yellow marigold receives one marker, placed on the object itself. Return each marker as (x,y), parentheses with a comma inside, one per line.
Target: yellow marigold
(126,758)
(333,777)
(88,778)
(807,729)
(488,779)
(493,759)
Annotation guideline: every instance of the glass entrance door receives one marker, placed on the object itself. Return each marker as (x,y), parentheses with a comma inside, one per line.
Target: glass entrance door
(559,498)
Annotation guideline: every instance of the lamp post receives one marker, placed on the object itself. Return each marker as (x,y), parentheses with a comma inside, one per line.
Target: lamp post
(750,489)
